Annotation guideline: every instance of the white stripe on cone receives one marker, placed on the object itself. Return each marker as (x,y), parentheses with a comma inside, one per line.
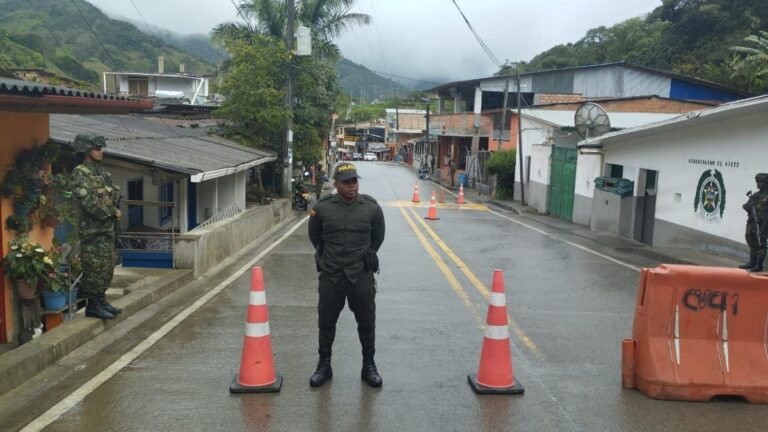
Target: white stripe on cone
(498,299)
(497,332)
(258,298)
(257,329)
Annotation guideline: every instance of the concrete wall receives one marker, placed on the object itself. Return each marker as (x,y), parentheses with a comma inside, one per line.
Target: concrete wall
(204,248)
(681,158)
(612,214)
(535,134)
(582,210)
(588,166)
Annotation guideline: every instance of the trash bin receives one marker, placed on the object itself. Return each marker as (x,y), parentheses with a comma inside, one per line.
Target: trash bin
(463,179)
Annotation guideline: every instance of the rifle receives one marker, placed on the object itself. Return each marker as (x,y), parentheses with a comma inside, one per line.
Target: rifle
(754,217)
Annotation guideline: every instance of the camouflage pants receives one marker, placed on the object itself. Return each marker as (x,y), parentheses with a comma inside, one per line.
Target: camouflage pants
(97,257)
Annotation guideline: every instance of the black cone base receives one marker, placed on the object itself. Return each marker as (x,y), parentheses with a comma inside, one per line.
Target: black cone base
(517,387)
(236,387)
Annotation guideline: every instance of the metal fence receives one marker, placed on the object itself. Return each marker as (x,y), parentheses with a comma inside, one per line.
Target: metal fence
(476,171)
(232,210)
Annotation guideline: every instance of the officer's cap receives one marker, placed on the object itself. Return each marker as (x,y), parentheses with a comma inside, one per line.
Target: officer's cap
(85,142)
(345,171)
(762,177)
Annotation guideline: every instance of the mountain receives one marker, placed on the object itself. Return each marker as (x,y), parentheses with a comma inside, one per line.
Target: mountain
(360,83)
(76,39)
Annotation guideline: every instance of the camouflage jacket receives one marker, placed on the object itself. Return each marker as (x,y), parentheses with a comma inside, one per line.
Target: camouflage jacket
(97,197)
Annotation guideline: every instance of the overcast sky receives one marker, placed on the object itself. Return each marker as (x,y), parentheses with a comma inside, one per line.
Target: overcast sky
(423,39)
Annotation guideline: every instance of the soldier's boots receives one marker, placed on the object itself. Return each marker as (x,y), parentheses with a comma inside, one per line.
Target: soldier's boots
(95,309)
(749,264)
(759,259)
(370,374)
(111,309)
(323,373)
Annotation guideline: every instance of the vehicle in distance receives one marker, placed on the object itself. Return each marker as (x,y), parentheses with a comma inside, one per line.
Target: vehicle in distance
(370,156)
(357,156)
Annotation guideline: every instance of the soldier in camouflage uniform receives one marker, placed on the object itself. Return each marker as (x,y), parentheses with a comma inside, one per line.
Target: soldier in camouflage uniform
(97,199)
(757,222)
(346,230)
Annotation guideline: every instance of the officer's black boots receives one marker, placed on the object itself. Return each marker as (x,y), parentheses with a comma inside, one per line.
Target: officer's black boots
(370,374)
(111,309)
(95,309)
(323,372)
(759,259)
(749,264)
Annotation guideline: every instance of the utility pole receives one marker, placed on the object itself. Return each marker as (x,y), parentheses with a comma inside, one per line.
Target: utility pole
(288,145)
(503,124)
(426,138)
(520,137)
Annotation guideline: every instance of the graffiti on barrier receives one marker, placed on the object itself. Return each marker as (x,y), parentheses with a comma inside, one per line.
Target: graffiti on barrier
(696,300)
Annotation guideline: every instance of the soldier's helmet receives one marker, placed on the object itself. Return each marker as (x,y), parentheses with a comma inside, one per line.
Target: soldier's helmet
(762,177)
(85,142)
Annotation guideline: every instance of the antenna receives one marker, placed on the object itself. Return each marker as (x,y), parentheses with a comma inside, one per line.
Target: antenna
(591,120)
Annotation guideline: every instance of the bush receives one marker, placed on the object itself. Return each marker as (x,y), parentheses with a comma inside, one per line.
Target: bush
(502,165)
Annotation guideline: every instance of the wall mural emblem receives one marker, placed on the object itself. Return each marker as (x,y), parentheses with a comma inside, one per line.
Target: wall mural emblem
(709,202)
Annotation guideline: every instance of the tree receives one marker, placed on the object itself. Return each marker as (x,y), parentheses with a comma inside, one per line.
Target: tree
(502,165)
(754,65)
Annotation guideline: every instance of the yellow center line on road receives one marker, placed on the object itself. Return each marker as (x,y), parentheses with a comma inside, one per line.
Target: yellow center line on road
(425,204)
(479,286)
(455,284)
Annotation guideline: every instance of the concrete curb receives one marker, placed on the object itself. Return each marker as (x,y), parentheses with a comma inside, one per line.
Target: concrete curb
(23,363)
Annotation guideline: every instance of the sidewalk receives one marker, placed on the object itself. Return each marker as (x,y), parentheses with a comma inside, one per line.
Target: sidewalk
(621,245)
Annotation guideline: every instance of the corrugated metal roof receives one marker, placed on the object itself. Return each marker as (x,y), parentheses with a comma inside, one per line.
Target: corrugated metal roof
(28,88)
(619,120)
(183,150)
(720,113)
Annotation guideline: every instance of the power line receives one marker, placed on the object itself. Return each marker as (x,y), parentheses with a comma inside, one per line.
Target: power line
(405,78)
(240,12)
(477,36)
(88,23)
(145,21)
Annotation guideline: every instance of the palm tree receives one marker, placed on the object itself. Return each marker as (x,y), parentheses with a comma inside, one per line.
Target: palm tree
(755,61)
(327,19)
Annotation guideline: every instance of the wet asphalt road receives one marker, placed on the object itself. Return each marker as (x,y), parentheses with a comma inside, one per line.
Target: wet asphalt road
(570,310)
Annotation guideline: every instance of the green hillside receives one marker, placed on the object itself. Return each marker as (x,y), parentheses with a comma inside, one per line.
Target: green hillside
(359,82)
(61,36)
(689,37)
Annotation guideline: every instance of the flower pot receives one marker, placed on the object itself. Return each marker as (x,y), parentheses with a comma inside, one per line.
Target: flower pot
(25,290)
(20,210)
(54,300)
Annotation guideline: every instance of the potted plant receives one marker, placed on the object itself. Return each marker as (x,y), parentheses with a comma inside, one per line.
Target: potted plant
(20,224)
(25,264)
(56,280)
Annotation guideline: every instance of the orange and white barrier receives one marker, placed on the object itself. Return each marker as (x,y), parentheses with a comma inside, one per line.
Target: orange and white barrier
(460,200)
(495,375)
(416,193)
(257,368)
(432,212)
(699,333)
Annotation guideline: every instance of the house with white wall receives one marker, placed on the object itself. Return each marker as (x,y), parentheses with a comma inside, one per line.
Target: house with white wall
(690,173)
(155,165)
(189,88)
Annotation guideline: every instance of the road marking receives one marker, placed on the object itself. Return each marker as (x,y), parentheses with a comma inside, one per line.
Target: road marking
(578,246)
(455,284)
(425,204)
(78,395)
(479,286)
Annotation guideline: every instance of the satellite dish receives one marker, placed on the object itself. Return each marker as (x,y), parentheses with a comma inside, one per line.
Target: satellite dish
(591,120)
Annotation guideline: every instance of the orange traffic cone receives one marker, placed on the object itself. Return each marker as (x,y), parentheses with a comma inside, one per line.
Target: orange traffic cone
(416,192)
(460,200)
(495,374)
(432,212)
(441,196)
(257,369)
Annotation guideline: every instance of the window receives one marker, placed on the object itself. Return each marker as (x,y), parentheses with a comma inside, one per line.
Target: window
(166,195)
(617,171)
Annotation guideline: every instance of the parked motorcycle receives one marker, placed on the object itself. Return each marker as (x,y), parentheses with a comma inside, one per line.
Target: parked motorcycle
(300,196)
(423,172)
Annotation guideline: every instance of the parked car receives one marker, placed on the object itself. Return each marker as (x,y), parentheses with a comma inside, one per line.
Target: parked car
(370,156)
(357,156)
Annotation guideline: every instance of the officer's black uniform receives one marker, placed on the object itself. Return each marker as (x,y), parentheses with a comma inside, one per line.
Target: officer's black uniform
(346,237)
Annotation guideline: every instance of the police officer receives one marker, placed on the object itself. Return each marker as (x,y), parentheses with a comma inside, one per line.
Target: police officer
(757,224)
(346,230)
(97,198)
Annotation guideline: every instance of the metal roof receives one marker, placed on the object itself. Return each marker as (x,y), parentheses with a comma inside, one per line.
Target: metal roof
(28,88)
(184,150)
(720,113)
(619,120)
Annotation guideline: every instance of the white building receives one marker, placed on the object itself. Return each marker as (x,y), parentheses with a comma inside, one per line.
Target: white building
(690,174)
(189,88)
